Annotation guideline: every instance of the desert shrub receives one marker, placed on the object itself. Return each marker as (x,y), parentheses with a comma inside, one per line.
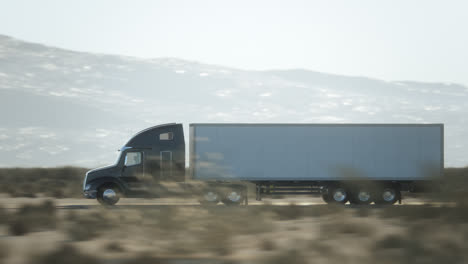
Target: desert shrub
(167,219)
(338,227)
(409,249)
(183,247)
(145,259)
(391,241)
(290,257)
(33,218)
(90,225)
(321,247)
(283,213)
(216,238)
(267,245)
(242,220)
(453,187)
(114,246)
(66,254)
(19,227)
(3,252)
(164,221)
(54,182)
(4,215)
(412,212)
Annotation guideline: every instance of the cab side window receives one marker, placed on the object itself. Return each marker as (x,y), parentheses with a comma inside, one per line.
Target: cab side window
(166,136)
(133,158)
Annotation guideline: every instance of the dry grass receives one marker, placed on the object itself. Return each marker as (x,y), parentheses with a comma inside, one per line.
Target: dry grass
(114,246)
(267,245)
(90,225)
(334,228)
(289,257)
(4,216)
(3,252)
(51,182)
(406,249)
(310,235)
(66,254)
(33,218)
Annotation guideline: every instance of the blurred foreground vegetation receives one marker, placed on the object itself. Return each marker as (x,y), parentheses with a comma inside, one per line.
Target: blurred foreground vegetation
(271,234)
(63,182)
(436,232)
(67,182)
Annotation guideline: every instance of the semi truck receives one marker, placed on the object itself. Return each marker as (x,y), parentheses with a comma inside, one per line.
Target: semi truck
(355,163)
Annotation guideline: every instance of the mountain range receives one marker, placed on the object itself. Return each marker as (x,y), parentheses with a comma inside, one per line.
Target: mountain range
(60,107)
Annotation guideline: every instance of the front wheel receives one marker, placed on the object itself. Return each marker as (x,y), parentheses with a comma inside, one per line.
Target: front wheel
(108,195)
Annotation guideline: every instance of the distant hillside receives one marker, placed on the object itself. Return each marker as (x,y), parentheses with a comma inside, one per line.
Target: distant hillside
(61,107)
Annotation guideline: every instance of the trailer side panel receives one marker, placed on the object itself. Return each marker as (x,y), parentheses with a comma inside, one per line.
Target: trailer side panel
(312,152)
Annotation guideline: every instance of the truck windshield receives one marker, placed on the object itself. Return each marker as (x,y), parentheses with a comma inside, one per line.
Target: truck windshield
(119,156)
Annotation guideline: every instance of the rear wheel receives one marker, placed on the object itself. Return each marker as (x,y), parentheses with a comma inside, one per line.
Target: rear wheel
(209,197)
(388,195)
(362,196)
(337,195)
(108,194)
(233,197)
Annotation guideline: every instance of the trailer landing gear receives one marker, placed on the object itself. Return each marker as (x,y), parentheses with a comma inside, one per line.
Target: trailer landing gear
(258,192)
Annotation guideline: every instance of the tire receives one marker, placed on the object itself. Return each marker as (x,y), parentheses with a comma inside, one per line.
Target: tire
(108,195)
(326,198)
(233,197)
(362,196)
(209,197)
(388,195)
(338,195)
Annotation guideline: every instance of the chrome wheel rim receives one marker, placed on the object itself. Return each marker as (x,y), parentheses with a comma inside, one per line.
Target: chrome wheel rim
(234,196)
(109,195)
(339,195)
(211,196)
(364,196)
(388,195)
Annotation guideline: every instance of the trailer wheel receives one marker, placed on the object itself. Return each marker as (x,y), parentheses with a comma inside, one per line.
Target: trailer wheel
(362,196)
(337,195)
(108,194)
(233,197)
(209,197)
(388,195)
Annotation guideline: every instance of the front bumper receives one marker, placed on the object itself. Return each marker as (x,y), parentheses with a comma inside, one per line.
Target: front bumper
(91,194)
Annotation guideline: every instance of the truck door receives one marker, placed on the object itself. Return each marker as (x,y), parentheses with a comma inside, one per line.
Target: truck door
(133,169)
(166,165)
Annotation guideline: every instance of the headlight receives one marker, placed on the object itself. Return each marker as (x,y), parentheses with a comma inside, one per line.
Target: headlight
(87,187)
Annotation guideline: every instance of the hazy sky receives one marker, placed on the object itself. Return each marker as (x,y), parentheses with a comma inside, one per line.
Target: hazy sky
(392,40)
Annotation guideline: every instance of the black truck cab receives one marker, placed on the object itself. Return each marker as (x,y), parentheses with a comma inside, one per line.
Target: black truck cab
(152,155)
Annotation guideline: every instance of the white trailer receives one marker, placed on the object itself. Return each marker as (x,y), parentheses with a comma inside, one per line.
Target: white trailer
(359,163)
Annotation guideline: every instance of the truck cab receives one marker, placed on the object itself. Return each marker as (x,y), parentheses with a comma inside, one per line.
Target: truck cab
(153,155)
